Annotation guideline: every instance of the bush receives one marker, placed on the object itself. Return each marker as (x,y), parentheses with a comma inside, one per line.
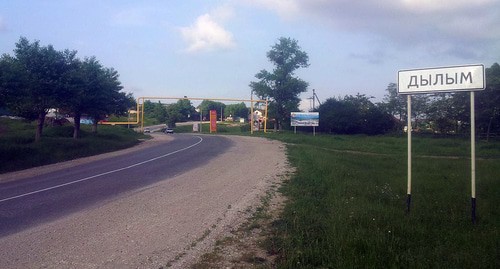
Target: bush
(353,115)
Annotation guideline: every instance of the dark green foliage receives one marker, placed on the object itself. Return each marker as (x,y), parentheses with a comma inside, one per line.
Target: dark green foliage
(237,110)
(38,78)
(488,103)
(169,114)
(33,81)
(449,113)
(281,87)
(207,105)
(353,115)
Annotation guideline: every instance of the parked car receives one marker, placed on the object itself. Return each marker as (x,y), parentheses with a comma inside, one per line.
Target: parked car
(169,131)
(147,130)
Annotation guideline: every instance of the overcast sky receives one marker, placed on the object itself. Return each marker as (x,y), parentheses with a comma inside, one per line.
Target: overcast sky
(203,48)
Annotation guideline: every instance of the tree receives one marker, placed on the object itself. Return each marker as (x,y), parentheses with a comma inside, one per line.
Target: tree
(280,86)
(448,112)
(170,114)
(110,99)
(185,109)
(86,85)
(39,78)
(395,104)
(353,115)
(9,77)
(207,105)
(35,80)
(173,115)
(488,102)
(237,110)
(157,111)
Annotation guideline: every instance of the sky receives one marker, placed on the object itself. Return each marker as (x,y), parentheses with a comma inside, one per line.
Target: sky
(214,48)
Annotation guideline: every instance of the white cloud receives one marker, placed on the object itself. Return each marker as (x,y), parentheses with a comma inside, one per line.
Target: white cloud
(207,34)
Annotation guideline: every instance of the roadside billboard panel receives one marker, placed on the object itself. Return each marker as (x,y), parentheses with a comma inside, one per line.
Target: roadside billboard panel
(304,118)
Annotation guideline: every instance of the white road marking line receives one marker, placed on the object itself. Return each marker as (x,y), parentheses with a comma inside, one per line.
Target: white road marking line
(102,174)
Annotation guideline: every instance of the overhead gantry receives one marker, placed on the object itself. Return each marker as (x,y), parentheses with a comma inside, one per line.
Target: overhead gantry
(141,100)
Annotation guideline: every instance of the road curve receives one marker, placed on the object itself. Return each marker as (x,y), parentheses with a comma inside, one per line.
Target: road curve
(33,200)
(140,210)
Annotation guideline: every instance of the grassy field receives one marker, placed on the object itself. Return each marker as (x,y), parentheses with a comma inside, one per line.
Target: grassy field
(18,150)
(348,199)
(347,203)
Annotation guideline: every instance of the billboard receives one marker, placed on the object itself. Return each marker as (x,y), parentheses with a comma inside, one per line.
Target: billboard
(304,118)
(213,121)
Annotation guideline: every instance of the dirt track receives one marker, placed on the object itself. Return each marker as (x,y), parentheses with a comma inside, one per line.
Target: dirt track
(169,223)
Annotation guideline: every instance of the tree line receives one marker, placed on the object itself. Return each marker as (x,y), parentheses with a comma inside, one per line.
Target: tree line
(450,112)
(183,110)
(38,78)
(356,114)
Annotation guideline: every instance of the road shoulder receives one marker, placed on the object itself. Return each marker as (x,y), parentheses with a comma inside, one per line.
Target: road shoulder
(155,139)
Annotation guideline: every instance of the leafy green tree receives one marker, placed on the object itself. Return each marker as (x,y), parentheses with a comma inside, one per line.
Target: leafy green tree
(207,105)
(237,110)
(440,114)
(9,79)
(448,112)
(87,82)
(353,115)
(157,110)
(488,103)
(174,115)
(36,80)
(395,104)
(280,86)
(185,109)
(110,99)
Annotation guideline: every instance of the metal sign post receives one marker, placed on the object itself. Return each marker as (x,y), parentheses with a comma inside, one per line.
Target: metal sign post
(473,156)
(444,79)
(408,130)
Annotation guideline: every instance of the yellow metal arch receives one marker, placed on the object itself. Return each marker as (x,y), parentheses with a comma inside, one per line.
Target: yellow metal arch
(140,107)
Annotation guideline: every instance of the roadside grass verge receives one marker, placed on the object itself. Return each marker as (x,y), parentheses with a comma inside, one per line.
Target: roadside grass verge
(222,128)
(19,151)
(346,208)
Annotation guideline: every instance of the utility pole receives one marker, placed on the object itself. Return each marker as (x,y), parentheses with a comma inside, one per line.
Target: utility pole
(314,94)
(314,98)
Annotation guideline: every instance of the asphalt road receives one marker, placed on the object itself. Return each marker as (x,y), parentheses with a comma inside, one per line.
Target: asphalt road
(32,201)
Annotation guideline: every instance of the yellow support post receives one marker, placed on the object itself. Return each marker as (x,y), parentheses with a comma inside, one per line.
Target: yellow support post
(251,114)
(265,119)
(140,107)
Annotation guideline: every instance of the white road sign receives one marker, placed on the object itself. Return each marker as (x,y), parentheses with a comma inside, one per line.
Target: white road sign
(441,79)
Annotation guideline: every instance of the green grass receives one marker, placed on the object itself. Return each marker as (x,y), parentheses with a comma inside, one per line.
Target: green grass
(19,151)
(222,128)
(347,208)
